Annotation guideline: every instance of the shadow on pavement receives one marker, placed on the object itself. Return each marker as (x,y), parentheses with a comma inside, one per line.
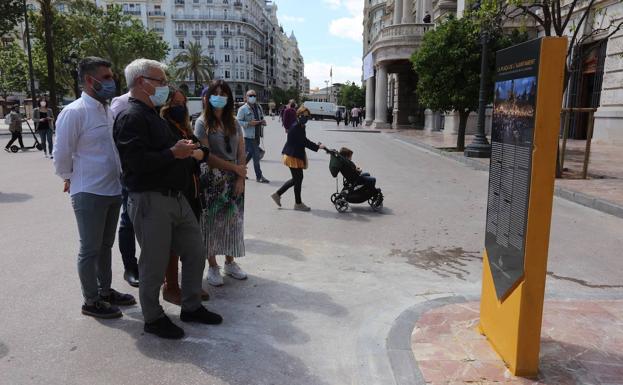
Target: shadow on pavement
(4,350)
(354,214)
(14,197)
(259,316)
(258,246)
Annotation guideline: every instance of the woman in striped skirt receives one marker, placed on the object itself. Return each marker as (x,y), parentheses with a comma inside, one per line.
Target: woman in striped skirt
(222,180)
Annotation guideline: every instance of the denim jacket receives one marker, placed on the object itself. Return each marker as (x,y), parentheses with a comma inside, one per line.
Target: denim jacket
(245,116)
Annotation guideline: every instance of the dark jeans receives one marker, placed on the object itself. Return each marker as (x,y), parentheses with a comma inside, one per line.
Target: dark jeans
(46,136)
(127,244)
(367,180)
(296,181)
(15,136)
(253,152)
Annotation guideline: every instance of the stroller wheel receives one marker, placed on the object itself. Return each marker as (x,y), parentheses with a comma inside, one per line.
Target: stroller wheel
(376,202)
(335,197)
(341,205)
(39,146)
(14,149)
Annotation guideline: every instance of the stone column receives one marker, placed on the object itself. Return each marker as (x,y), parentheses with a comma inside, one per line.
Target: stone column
(407,11)
(380,98)
(398,11)
(370,100)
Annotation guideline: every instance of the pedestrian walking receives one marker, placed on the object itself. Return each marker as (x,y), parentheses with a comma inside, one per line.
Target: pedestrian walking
(155,172)
(127,238)
(222,219)
(86,159)
(175,112)
(295,159)
(354,113)
(43,118)
(251,118)
(338,116)
(346,117)
(289,115)
(14,120)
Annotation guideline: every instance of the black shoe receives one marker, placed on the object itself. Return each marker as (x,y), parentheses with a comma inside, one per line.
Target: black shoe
(116,298)
(164,328)
(262,180)
(131,277)
(101,309)
(201,315)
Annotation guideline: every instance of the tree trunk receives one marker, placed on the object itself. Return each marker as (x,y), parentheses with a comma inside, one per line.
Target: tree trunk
(196,76)
(460,139)
(46,13)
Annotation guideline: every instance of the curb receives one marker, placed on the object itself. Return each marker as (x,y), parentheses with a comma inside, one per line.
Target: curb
(403,363)
(598,204)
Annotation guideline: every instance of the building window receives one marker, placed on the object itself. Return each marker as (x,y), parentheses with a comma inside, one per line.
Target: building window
(226,74)
(226,43)
(181,44)
(226,58)
(241,43)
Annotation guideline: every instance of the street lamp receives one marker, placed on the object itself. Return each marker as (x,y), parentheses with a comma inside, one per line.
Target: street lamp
(326,82)
(72,60)
(30,68)
(480,146)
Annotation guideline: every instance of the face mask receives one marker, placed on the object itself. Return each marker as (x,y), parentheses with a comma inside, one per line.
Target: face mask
(217,101)
(178,113)
(160,97)
(251,99)
(303,119)
(43,104)
(104,89)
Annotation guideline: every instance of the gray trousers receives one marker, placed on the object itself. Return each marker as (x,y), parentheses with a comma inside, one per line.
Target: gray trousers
(97,217)
(162,224)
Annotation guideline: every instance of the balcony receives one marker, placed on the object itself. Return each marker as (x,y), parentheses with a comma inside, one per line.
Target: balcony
(210,33)
(227,33)
(179,2)
(158,29)
(238,4)
(197,33)
(397,42)
(132,12)
(180,32)
(156,14)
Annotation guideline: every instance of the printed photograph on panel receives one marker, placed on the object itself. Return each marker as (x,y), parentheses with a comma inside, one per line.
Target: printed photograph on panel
(513,111)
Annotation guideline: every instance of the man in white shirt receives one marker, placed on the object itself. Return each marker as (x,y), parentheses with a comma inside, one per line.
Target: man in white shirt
(354,113)
(86,157)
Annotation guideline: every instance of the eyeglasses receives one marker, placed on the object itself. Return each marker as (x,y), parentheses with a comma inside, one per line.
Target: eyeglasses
(251,95)
(162,81)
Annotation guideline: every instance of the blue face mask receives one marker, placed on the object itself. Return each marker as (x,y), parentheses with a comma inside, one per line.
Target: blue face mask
(251,99)
(217,101)
(160,97)
(105,89)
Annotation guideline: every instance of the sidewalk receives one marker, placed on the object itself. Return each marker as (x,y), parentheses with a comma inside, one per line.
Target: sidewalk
(580,344)
(603,190)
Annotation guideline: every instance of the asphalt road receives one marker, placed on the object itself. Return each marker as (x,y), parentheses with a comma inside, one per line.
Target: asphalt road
(324,288)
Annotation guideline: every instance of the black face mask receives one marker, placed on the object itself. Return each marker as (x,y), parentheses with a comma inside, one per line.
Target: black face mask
(303,119)
(178,113)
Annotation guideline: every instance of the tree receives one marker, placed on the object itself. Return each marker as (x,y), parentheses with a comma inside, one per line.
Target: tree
(351,95)
(47,15)
(11,13)
(192,62)
(281,97)
(13,74)
(448,68)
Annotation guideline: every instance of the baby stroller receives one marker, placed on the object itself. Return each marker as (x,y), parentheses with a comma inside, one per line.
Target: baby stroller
(352,192)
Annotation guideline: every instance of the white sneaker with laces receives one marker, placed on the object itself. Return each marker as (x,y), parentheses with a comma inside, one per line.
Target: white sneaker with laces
(234,271)
(214,276)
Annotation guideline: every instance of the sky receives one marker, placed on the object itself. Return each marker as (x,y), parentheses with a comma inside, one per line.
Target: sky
(329,34)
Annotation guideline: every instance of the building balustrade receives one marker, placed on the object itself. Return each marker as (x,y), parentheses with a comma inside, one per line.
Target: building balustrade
(132,12)
(156,13)
(197,33)
(180,32)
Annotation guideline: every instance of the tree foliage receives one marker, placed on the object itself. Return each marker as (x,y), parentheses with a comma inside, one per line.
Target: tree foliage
(11,13)
(281,97)
(13,74)
(351,95)
(192,62)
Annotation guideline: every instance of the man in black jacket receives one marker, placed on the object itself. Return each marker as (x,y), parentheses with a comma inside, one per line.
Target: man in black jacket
(155,174)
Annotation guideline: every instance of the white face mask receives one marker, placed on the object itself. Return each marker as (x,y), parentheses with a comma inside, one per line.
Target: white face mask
(251,99)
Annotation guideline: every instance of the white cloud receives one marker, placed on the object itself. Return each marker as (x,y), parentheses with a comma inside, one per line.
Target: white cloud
(318,72)
(293,19)
(333,4)
(348,27)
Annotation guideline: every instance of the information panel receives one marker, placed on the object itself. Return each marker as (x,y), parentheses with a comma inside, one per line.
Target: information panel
(512,139)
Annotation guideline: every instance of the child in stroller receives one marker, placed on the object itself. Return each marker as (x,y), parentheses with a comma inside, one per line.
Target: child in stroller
(358,187)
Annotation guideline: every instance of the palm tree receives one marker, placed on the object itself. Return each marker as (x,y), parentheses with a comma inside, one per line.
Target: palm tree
(191,61)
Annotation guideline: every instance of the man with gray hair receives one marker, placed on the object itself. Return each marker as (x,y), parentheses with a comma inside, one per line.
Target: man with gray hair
(251,119)
(155,173)
(86,158)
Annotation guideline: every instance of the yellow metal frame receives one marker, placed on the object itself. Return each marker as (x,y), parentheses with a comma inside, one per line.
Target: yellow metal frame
(513,325)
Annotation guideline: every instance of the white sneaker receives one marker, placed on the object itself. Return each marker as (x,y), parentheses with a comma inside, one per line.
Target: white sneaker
(234,271)
(214,276)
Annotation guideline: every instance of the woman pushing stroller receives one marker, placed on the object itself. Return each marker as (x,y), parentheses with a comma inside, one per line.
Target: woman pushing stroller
(295,159)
